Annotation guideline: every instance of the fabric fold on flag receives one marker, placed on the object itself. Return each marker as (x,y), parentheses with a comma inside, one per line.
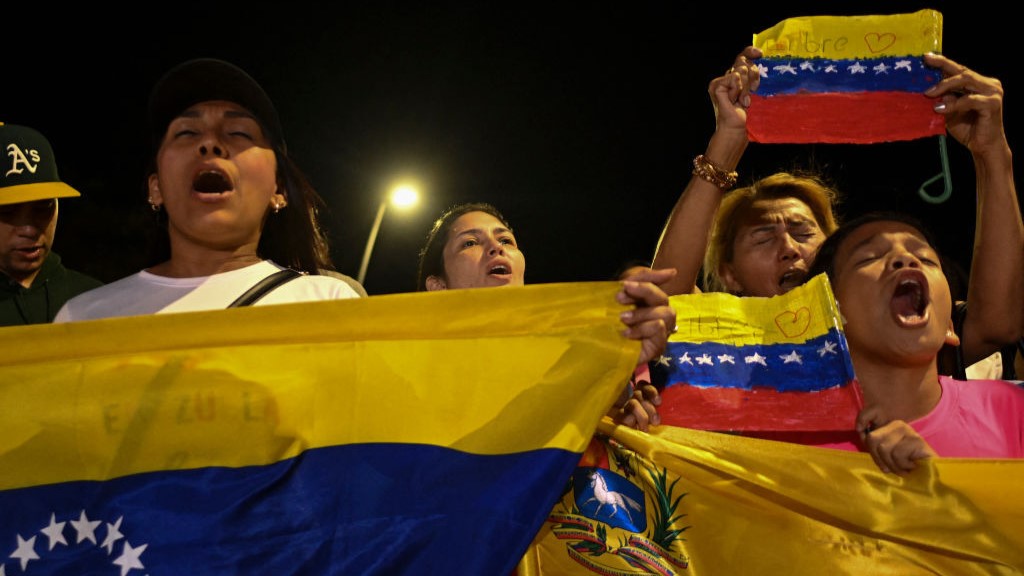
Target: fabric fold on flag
(371,436)
(679,501)
(749,363)
(847,79)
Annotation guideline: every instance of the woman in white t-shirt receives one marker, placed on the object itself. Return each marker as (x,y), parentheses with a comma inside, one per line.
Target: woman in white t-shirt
(236,209)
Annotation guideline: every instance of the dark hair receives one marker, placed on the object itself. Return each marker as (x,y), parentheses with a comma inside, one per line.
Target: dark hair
(432,254)
(824,260)
(628,265)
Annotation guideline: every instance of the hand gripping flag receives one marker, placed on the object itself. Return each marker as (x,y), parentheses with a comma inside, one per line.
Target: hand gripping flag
(688,502)
(775,364)
(847,79)
(405,434)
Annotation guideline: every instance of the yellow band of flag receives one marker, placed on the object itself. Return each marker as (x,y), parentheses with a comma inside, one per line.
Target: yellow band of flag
(850,37)
(803,313)
(722,504)
(252,386)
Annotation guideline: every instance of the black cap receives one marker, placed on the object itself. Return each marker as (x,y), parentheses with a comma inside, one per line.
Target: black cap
(206,79)
(29,172)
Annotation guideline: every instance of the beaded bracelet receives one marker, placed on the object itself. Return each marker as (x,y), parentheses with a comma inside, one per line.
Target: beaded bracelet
(706,170)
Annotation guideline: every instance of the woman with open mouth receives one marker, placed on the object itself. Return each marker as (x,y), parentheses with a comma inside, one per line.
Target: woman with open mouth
(237,213)
(472,246)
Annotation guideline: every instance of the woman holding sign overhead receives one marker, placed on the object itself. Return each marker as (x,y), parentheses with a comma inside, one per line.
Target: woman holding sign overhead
(761,240)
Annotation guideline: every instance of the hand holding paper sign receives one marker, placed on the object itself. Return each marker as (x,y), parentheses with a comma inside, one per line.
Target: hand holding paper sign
(972,104)
(847,79)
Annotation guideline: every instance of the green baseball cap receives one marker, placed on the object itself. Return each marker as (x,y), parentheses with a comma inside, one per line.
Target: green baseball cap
(28,171)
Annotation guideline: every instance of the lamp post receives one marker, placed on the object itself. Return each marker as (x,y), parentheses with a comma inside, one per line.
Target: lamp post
(401,196)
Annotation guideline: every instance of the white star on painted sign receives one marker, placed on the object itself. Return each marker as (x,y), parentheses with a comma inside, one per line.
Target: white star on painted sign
(791,357)
(828,348)
(756,359)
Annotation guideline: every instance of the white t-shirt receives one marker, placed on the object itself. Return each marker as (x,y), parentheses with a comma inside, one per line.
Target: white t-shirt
(145,293)
(990,368)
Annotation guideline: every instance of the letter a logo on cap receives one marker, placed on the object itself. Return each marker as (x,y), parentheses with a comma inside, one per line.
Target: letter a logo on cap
(18,159)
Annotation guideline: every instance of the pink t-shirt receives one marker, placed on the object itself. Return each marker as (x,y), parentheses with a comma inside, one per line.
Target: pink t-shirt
(973,419)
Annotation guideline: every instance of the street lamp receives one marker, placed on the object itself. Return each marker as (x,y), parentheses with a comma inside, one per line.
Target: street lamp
(401,197)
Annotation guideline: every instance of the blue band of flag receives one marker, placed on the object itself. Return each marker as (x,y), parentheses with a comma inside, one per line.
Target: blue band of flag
(818,75)
(355,509)
(817,364)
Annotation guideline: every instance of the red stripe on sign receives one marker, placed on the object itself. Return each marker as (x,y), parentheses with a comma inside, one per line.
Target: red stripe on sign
(761,408)
(843,118)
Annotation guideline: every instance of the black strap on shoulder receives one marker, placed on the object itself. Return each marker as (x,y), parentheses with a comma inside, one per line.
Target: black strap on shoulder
(263,287)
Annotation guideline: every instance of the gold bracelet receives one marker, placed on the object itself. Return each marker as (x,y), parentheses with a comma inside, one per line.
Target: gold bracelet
(706,170)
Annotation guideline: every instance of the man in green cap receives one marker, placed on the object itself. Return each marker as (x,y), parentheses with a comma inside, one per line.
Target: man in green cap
(33,282)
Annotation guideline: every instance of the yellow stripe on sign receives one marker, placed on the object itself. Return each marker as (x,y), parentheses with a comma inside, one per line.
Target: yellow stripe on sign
(482,371)
(801,314)
(851,37)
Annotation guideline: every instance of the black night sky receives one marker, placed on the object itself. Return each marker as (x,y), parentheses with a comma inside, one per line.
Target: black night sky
(578,120)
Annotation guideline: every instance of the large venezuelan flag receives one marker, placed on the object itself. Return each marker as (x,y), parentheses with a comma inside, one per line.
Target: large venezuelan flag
(405,434)
(777,363)
(697,503)
(847,79)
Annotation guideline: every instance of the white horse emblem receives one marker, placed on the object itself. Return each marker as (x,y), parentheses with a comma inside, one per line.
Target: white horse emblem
(617,500)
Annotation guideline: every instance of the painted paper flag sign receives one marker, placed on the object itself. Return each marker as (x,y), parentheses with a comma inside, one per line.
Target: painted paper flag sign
(847,79)
(774,364)
(689,502)
(404,434)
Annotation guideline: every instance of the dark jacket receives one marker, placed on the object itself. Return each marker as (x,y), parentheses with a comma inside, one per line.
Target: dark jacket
(39,303)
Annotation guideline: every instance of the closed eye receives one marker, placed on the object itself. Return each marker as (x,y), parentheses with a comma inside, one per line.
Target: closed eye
(865,259)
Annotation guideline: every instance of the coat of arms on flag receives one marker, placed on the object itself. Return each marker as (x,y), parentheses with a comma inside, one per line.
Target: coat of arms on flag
(748,363)
(679,501)
(847,79)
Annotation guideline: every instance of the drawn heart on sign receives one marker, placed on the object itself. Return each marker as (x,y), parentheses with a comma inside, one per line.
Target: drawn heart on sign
(792,323)
(877,42)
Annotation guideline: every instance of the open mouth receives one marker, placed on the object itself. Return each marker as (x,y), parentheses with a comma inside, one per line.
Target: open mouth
(499,270)
(791,279)
(211,182)
(910,300)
